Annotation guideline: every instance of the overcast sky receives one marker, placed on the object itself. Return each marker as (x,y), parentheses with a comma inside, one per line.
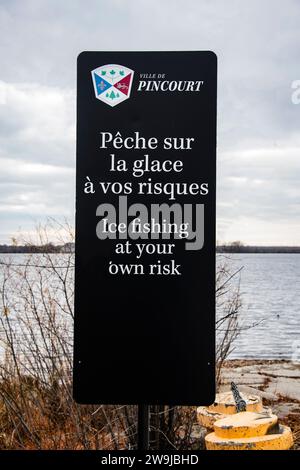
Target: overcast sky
(258,47)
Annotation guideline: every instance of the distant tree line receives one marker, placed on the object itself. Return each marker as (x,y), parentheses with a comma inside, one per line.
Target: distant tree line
(239,247)
(234,247)
(46,248)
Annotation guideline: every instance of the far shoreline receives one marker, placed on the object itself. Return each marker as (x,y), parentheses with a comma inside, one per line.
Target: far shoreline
(230,248)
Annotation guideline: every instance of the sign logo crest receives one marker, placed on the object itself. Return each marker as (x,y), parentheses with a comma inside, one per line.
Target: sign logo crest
(112,83)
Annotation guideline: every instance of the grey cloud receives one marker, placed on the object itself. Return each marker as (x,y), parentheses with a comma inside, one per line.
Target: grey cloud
(258,48)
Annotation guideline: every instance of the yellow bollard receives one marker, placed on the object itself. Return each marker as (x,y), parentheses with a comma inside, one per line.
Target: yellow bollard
(223,406)
(246,424)
(249,431)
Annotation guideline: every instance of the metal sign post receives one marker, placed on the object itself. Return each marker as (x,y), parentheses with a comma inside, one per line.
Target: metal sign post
(143,427)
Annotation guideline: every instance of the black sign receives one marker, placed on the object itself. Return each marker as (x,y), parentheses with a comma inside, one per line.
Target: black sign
(145,228)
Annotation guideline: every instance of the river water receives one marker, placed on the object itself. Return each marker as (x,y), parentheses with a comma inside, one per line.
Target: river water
(270,294)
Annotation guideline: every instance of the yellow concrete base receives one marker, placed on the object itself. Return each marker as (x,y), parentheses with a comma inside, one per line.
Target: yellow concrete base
(254,429)
(281,441)
(245,424)
(223,406)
